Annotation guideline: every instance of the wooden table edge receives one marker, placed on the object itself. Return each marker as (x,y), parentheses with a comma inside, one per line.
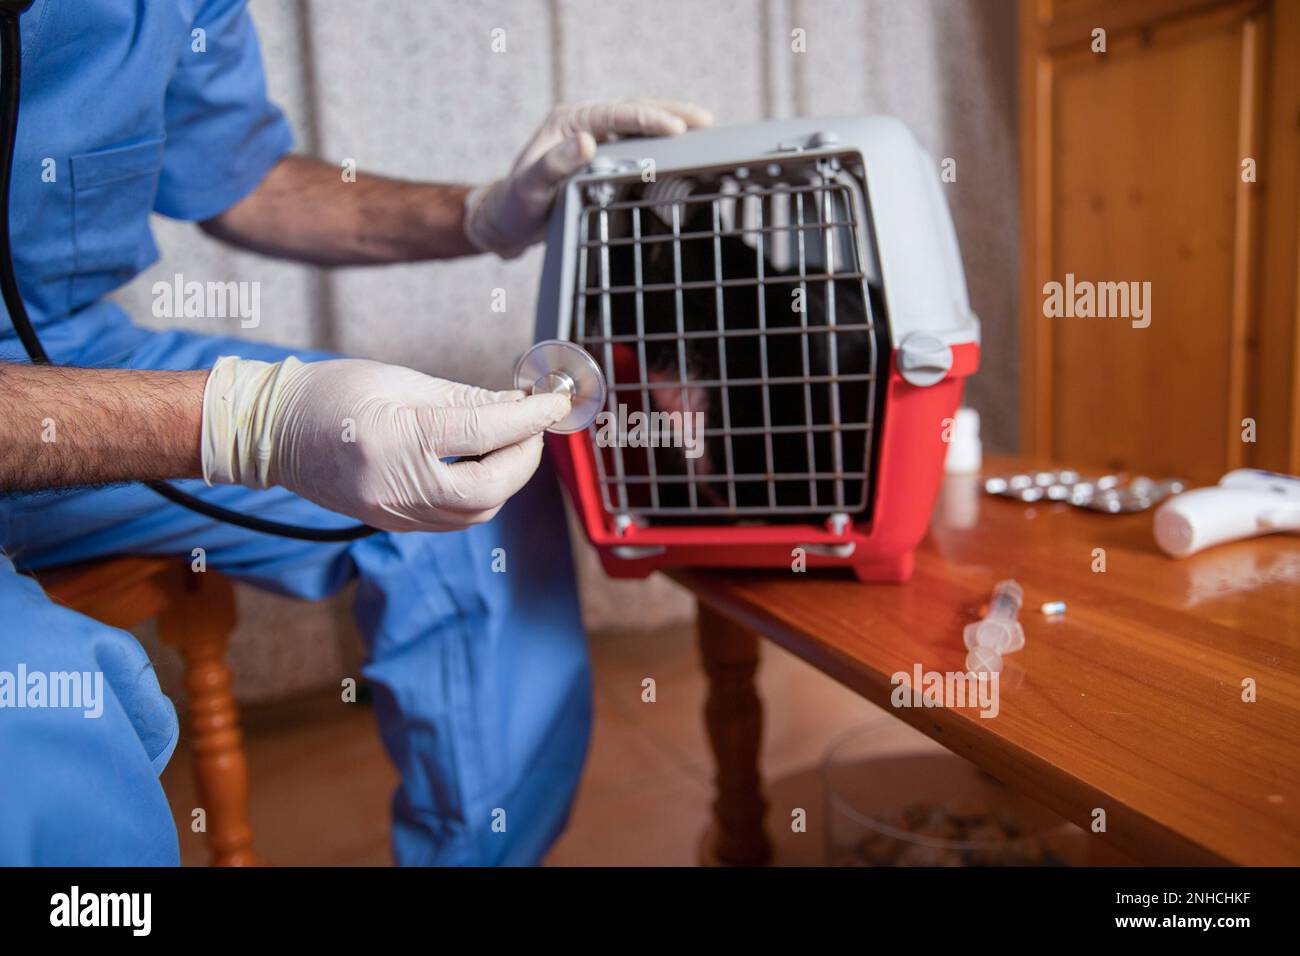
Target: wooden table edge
(1128,829)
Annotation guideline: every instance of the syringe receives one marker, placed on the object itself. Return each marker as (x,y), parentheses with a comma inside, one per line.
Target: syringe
(999,632)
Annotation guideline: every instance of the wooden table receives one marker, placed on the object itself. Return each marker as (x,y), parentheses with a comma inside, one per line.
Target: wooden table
(1132,702)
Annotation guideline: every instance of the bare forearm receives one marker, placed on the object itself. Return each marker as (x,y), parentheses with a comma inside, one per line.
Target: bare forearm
(305,210)
(62,427)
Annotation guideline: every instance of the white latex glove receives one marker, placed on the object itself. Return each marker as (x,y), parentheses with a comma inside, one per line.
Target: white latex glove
(509,215)
(367,439)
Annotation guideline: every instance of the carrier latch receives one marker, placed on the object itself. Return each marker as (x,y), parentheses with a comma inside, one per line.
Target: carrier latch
(924,359)
(822,139)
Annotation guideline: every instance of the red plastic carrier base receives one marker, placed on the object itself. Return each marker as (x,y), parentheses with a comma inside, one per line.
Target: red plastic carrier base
(905,484)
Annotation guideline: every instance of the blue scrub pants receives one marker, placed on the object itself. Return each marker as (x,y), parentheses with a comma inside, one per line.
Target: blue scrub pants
(481,677)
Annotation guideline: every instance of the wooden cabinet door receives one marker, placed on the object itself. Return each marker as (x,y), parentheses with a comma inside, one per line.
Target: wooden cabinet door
(1169,157)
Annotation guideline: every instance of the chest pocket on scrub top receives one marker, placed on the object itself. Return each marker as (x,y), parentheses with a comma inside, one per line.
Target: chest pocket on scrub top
(113,193)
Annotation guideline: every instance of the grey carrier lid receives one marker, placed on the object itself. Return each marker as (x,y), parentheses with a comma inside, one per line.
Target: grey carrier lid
(915,246)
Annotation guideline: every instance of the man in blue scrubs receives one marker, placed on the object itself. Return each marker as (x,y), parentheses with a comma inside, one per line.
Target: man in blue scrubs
(481,678)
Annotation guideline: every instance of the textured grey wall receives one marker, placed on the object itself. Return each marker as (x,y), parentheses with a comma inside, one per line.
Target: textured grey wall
(412,88)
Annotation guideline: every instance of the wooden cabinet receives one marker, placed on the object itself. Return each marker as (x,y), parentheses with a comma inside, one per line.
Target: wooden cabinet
(1172,158)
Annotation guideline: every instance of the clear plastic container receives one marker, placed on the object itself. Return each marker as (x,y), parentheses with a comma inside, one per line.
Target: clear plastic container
(896,798)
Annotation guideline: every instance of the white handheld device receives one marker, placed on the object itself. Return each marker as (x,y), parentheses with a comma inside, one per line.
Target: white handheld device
(1245,503)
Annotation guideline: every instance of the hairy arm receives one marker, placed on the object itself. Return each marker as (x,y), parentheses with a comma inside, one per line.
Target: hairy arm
(62,427)
(304,210)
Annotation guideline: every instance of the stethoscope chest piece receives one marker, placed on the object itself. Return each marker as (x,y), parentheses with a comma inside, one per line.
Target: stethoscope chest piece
(558,366)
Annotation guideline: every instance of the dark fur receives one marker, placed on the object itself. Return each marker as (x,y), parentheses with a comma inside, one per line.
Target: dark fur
(743,358)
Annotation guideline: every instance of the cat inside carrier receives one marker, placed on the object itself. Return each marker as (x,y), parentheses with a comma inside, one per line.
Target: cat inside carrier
(779,325)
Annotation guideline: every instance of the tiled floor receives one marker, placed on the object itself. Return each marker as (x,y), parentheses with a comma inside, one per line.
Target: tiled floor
(321,783)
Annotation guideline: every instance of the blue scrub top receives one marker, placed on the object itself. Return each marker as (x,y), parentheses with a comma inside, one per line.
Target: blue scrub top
(128,108)
(482,685)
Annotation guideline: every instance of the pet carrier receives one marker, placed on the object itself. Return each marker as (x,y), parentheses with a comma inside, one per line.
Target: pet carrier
(780,319)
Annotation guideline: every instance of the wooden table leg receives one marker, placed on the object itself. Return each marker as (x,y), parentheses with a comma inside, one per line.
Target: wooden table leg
(199,627)
(734,716)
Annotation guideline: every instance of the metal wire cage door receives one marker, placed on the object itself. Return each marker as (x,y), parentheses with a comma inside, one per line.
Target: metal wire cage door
(733,321)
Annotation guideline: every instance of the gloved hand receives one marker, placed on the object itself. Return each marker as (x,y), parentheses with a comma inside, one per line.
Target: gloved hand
(367,439)
(509,215)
